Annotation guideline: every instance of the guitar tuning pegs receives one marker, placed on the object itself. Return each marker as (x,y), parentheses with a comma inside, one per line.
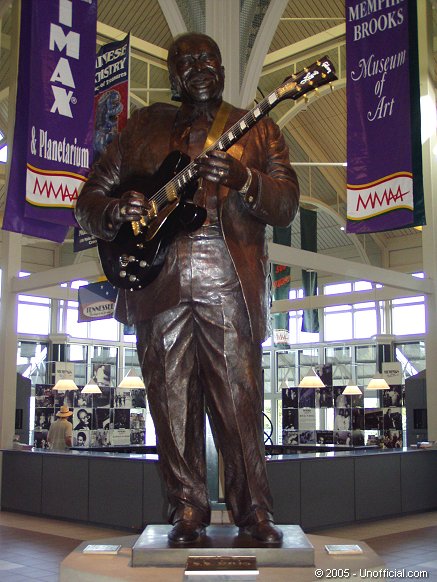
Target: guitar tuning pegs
(132,278)
(144,264)
(122,274)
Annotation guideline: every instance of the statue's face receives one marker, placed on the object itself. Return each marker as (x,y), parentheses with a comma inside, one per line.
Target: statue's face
(197,70)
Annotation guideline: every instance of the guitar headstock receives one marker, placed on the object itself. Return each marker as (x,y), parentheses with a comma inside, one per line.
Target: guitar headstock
(310,78)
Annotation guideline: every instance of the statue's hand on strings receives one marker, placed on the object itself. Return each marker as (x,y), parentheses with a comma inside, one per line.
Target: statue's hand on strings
(222,168)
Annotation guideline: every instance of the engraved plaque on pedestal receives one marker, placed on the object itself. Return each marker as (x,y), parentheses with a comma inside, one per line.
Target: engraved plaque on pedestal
(220,568)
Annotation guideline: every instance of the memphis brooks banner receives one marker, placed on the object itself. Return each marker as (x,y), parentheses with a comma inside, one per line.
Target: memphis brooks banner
(53,135)
(384,166)
(111,108)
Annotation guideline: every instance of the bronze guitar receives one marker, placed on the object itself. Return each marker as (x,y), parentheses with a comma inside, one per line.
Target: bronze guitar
(134,258)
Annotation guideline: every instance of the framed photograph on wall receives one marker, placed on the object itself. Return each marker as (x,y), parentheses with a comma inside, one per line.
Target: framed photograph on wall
(325,437)
(290,437)
(290,398)
(290,419)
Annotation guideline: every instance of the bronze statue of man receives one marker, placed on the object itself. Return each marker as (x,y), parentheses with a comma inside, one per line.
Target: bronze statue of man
(201,322)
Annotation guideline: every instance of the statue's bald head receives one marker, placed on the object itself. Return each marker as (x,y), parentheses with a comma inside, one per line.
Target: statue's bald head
(185,38)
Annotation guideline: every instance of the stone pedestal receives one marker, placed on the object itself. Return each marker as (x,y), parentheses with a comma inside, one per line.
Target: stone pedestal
(154,549)
(79,567)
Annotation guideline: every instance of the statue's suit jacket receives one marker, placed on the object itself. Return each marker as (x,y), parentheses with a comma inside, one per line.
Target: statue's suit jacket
(140,148)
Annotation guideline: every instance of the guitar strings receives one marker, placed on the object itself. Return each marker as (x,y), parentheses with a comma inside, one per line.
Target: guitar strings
(223,143)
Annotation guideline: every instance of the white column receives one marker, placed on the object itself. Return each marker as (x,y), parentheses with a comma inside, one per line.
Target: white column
(259,51)
(173,16)
(429,241)
(8,337)
(11,266)
(223,25)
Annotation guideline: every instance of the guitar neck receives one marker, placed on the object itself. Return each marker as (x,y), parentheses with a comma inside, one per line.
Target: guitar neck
(227,140)
(242,126)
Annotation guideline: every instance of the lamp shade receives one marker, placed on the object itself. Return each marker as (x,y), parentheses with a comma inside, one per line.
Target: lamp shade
(351,390)
(64,384)
(131,381)
(311,380)
(378,383)
(91,388)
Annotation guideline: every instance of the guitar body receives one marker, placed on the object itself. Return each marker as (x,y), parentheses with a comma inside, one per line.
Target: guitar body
(132,261)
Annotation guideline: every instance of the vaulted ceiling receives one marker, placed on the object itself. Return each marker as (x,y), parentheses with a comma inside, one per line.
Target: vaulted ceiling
(315,128)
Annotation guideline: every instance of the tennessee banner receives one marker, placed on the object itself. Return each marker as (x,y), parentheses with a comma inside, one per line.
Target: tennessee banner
(96,301)
(53,152)
(384,166)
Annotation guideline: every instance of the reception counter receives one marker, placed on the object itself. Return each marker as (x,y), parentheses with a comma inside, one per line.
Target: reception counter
(313,490)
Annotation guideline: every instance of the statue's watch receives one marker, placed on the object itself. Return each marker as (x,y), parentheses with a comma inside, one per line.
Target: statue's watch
(245,188)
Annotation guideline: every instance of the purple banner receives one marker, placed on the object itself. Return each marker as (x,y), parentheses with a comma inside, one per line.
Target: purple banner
(59,46)
(14,219)
(379,141)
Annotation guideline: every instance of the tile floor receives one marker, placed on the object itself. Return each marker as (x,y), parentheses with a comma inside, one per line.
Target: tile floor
(408,542)
(32,548)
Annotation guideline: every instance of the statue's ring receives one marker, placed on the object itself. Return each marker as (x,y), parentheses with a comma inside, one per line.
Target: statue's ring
(221,173)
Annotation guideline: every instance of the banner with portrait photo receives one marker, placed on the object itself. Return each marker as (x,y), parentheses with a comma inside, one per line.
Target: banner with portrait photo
(111,108)
(384,164)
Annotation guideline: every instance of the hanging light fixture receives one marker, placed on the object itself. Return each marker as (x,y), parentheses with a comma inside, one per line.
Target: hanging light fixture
(311,380)
(131,381)
(351,389)
(378,383)
(91,388)
(64,384)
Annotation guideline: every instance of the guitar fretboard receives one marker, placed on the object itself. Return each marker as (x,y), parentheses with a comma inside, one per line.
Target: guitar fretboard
(231,136)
